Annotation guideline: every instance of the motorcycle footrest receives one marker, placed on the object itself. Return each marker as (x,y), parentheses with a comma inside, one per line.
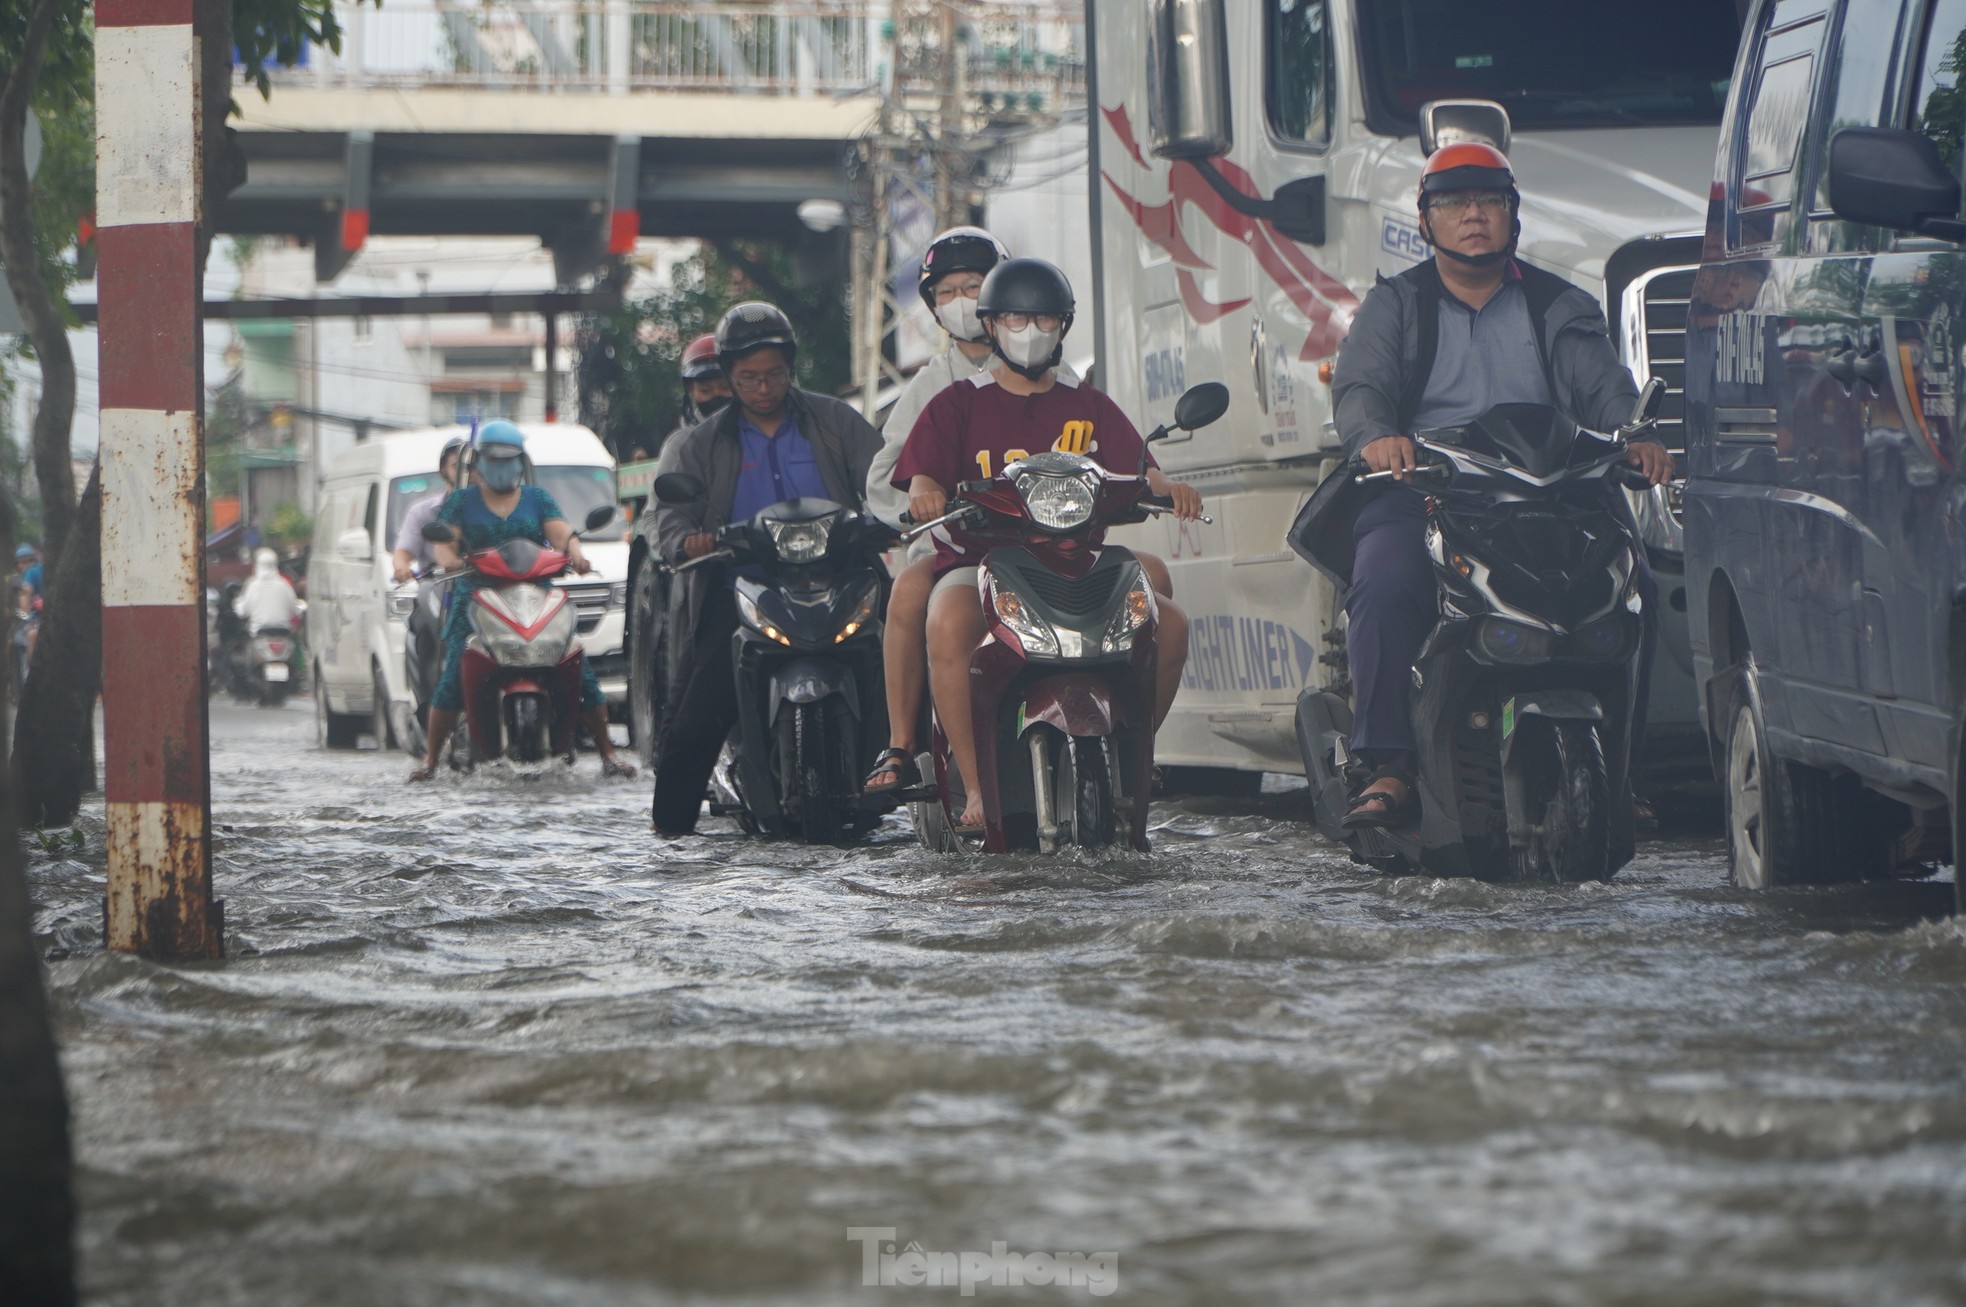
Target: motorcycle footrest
(924,793)
(725,809)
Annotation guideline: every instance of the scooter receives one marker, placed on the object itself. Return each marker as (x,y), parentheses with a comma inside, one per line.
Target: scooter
(1523,695)
(521,667)
(807,657)
(1062,683)
(269,672)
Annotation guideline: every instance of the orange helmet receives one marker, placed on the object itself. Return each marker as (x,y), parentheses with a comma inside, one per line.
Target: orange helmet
(1467,166)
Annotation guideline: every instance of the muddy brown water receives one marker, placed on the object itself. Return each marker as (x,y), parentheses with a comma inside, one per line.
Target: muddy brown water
(482,1042)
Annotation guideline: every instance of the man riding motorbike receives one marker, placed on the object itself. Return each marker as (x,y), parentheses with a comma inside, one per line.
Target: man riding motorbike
(502,507)
(1021,406)
(1438,346)
(776,442)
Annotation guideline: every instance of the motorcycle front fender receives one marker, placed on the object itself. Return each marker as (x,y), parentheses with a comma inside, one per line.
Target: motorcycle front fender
(1558,705)
(1077,703)
(808,680)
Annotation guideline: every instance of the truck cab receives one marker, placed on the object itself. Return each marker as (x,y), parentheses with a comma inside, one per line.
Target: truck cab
(1253,169)
(1825,516)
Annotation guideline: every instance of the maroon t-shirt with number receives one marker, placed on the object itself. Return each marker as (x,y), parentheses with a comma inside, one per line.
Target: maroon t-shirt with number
(974,427)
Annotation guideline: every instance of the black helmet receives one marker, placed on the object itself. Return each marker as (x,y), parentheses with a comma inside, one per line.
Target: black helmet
(1026,286)
(959,249)
(752,325)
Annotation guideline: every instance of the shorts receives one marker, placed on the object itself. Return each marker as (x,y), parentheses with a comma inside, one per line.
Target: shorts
(955,576)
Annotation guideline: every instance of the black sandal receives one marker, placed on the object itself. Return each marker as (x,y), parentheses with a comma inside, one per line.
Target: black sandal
(898,763)
(1379,809)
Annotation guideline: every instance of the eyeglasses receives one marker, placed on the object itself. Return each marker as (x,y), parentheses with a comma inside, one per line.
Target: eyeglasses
(948,291)
(1019,321)
(760,380)
(1458,201)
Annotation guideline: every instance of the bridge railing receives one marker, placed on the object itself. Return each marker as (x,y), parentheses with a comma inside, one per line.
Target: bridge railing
(791,47)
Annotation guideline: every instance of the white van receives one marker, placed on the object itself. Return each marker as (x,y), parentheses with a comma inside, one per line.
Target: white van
(355,615)
(1251,167)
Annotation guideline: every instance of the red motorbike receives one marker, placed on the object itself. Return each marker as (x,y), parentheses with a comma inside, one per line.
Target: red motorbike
(521,667)
(1062,683)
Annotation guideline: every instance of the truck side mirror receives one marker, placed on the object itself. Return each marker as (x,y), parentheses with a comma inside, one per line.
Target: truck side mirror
(1188,112)
(1448,122)
(1885,177)
(679,488)
(1200,405)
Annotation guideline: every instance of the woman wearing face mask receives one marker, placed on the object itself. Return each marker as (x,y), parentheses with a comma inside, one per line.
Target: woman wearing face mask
(972,429)
(499,506)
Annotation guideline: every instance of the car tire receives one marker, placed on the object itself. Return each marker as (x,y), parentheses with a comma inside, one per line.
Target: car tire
(1789,823)
(334,730)
(385,735)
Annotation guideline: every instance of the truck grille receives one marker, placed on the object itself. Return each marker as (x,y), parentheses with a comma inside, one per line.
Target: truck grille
(1653,308)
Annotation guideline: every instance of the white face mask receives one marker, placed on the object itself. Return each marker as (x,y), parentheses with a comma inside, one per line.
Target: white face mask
(958,318)
(1028,347)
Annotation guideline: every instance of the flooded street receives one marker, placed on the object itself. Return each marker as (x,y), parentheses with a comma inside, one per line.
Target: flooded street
(481,1042)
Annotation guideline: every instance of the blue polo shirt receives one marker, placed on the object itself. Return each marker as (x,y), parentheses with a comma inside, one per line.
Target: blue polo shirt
(774,468)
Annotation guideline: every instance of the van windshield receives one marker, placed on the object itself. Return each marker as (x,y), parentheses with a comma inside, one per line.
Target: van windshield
(577,488)
(1550,63)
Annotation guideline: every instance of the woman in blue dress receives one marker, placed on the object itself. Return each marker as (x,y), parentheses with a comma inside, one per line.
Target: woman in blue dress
(499,507)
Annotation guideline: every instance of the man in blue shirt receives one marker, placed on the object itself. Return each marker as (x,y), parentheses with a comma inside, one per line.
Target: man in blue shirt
(776,442)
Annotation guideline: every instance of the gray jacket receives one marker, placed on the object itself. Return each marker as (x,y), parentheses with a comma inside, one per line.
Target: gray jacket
(842,441)
(1386,359)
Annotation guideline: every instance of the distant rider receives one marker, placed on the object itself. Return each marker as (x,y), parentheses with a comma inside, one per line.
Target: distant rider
(268,602)
(776,442)
(1438,346)
(502,507)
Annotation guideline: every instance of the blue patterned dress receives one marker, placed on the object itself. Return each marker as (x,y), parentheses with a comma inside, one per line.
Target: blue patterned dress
(484,529)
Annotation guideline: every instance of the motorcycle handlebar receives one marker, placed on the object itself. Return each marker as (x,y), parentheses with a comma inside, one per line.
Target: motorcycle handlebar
(714,556)
(1159,504)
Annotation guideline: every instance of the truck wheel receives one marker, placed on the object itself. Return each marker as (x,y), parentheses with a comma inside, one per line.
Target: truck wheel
(648,661)
(333,730)
(1789,823)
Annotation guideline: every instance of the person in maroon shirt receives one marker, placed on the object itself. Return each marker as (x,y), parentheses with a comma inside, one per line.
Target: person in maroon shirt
(972,429)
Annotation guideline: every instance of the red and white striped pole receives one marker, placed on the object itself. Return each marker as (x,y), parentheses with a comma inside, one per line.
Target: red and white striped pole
(157,769)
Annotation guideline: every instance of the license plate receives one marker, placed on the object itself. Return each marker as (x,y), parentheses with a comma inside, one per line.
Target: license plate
(277,671)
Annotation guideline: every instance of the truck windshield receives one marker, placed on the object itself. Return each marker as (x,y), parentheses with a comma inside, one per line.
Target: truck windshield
(1550,63)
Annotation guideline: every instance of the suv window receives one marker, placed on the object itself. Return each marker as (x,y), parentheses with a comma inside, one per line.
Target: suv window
(1938,106)
(1776,115)
(1857,77)
(1299,98)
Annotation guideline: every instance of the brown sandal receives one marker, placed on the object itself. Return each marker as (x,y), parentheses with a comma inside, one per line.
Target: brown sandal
(898,763)
(1381,809)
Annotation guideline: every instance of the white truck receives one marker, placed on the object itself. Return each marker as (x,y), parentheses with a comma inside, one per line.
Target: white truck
(1251,168)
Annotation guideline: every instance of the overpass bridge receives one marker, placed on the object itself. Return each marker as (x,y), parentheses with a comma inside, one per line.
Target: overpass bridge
(589,122)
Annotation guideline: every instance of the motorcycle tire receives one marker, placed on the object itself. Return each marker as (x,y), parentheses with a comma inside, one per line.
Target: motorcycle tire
(1083,792)
(648,660)
(1569,795)
(525,728)
(931,820)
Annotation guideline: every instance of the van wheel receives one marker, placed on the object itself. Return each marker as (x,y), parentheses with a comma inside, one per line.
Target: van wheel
(1789,823)
(333,730)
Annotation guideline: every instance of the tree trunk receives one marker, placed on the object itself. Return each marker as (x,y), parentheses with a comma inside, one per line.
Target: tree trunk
(54,757)
(45,327)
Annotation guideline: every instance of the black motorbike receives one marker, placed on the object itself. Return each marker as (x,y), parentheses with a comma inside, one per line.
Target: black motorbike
(811,593)
(1523,695)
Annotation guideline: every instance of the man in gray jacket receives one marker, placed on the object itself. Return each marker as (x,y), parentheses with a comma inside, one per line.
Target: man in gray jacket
(776,442)
(1438,346)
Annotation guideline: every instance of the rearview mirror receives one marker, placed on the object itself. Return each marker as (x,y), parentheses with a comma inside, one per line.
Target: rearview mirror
(1200,405)
(353,543)
(1884,177)
(599,516)
(1449,122)
(1188,112)
(679,488)
(1649,399)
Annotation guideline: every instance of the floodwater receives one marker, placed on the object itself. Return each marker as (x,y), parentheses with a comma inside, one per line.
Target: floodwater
(482,1042)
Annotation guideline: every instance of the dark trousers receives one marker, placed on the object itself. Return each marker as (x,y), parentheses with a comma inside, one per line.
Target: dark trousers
(701,710)
(1392,607)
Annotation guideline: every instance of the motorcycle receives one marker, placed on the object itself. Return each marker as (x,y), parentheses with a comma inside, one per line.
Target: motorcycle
(807,657)
(269,673)
(1062,683)
(521,667)
(1522,697)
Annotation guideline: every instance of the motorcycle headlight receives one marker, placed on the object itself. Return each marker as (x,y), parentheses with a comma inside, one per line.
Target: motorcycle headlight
(863,613)
(801,542)
(1503,641)
(1605,641)
(1134,610)
(1035,633)
(747,608)
(1056,503)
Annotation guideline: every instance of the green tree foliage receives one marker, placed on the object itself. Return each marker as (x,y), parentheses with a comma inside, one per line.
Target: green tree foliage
(630,393)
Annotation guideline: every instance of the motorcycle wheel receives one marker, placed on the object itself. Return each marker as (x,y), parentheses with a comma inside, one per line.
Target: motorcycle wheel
(1571,839)
(525,728)
(648,661)
(930,819)
(1083,792)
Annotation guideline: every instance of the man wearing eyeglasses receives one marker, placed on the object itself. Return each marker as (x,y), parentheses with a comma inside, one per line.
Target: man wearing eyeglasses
(776,442)
(1438,346)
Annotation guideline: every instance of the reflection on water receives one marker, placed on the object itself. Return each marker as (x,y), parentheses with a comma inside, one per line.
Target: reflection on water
(482,1042)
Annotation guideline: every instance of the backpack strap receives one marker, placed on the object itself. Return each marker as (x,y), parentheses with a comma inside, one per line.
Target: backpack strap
(1425,281)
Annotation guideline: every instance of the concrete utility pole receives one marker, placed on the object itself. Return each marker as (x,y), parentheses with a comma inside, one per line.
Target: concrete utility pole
(157,778)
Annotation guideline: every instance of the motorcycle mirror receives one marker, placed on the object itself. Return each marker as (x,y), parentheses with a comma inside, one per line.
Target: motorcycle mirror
(599,516)
(438,531)
(679,488)
(1649,400)
(1201,405)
